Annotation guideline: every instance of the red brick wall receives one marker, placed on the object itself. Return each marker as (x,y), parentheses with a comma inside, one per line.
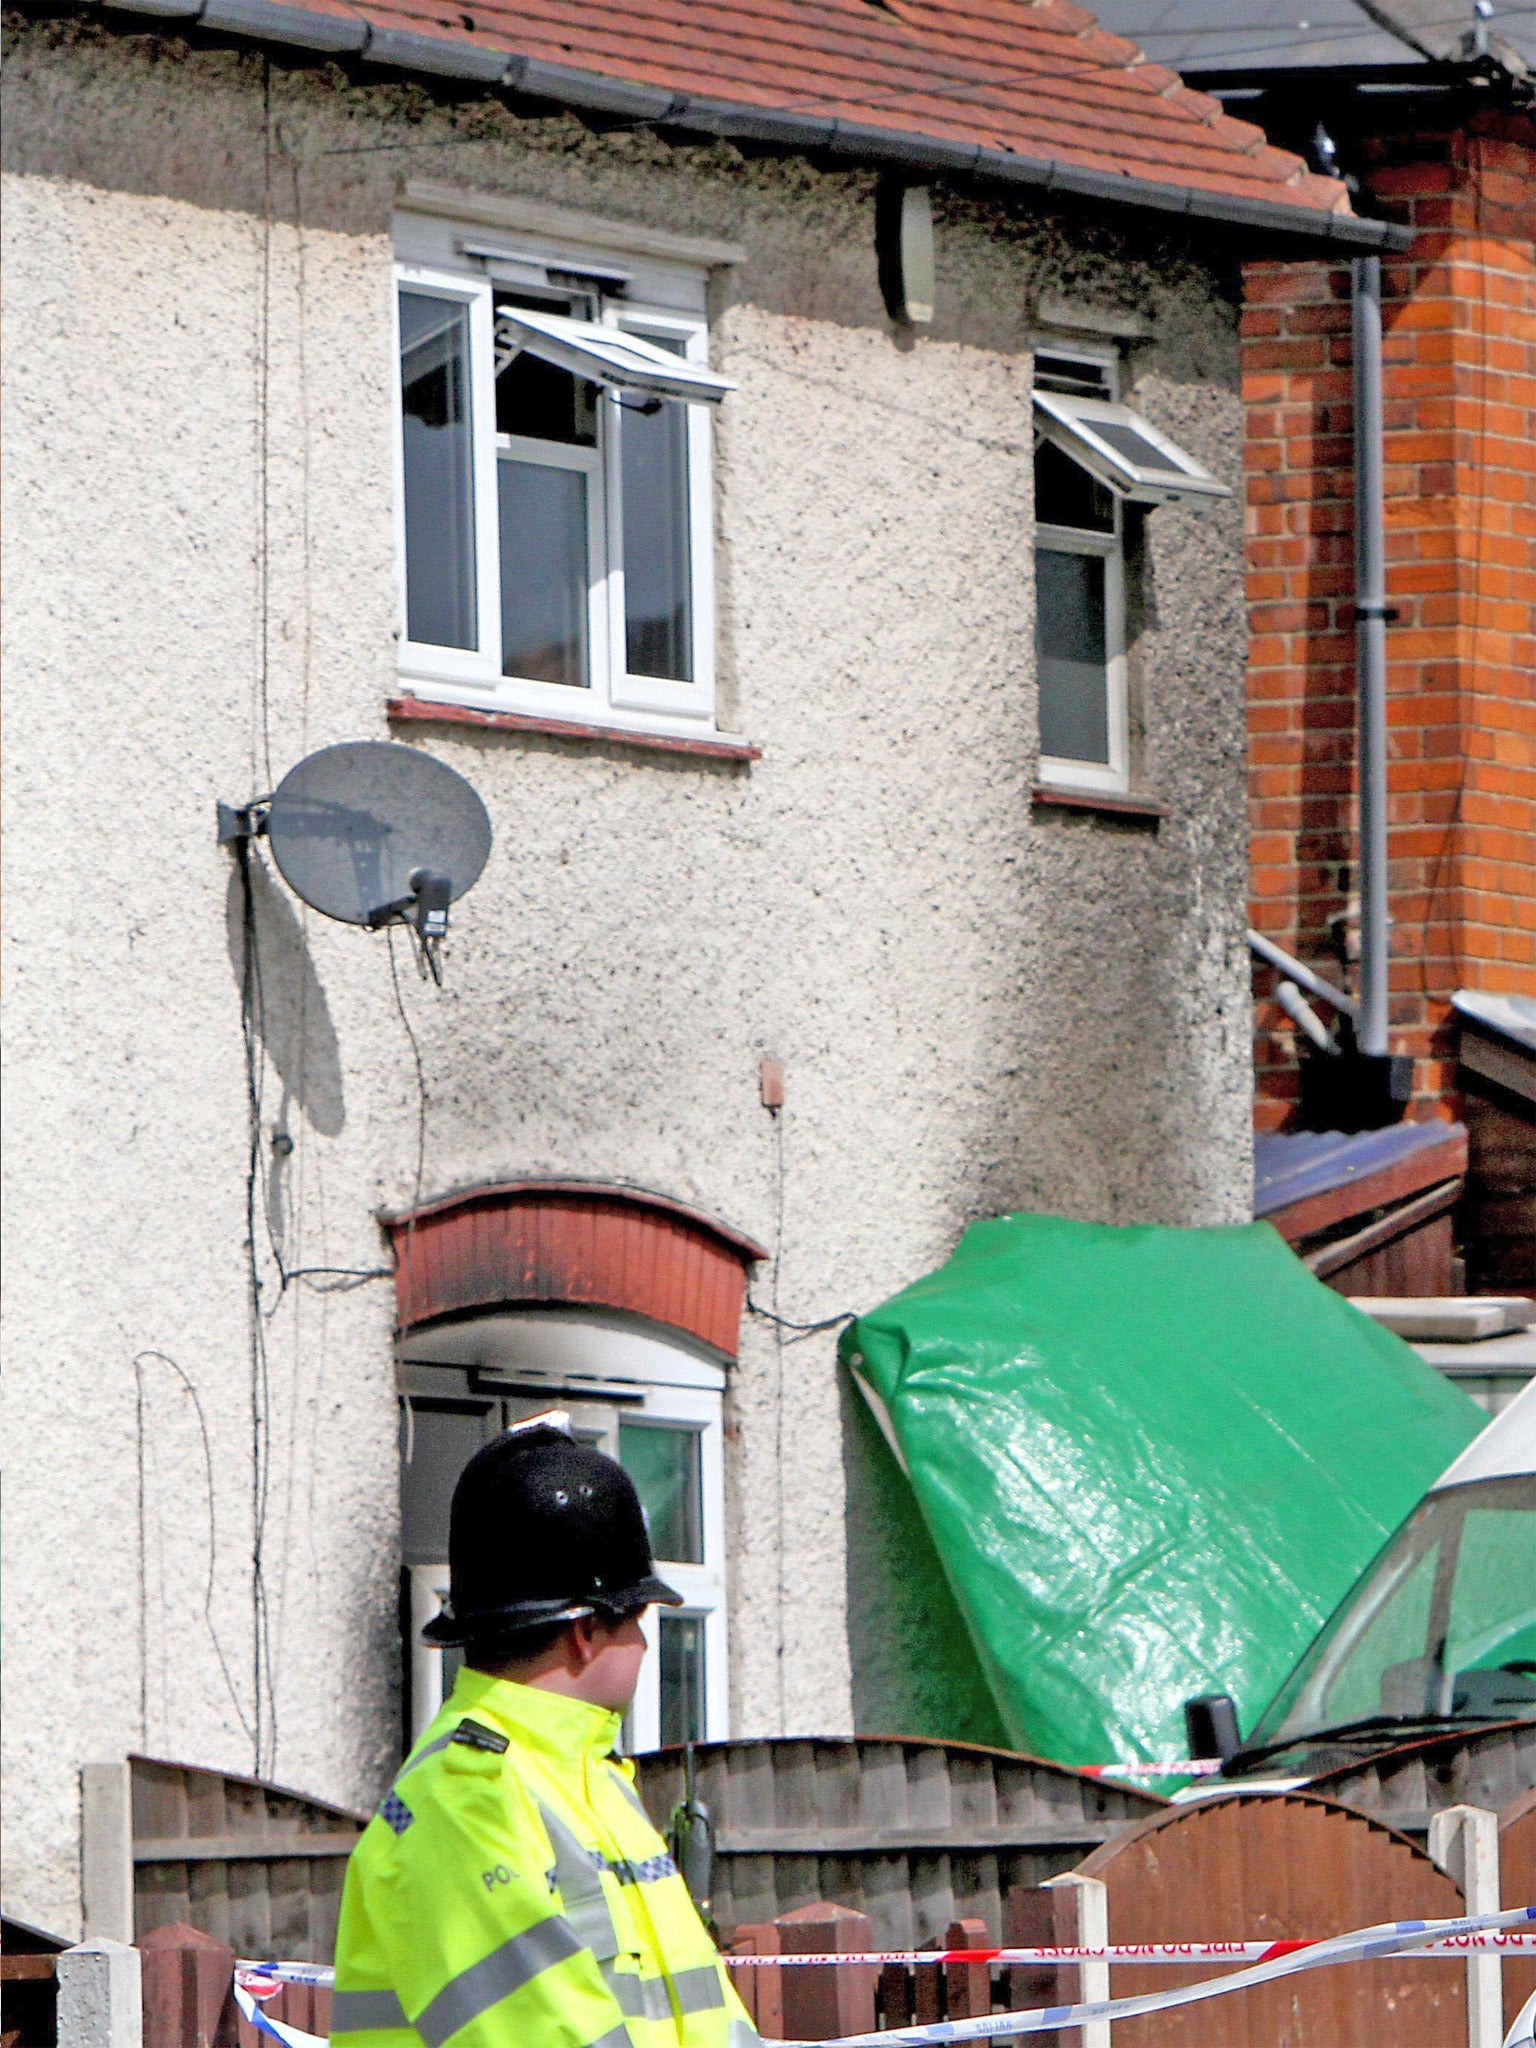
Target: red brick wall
(1460,460)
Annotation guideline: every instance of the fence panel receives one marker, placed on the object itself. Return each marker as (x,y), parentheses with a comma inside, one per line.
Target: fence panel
(915,1833)
(1286,1866)
(248,1863)
(1517,1883)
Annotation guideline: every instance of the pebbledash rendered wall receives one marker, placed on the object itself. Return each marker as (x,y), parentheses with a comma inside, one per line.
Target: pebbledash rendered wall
(979,1006)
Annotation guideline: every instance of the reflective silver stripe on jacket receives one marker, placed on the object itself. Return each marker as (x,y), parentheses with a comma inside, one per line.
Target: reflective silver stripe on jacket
(647,1998)
(356,2012)
(699,1990)
(743,2035)
(631,1795)
(495,1977)
(421,1755)
(581,1888)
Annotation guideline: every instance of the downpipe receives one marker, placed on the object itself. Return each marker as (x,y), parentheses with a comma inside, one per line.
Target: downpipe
(1370,657)
(1350,1080)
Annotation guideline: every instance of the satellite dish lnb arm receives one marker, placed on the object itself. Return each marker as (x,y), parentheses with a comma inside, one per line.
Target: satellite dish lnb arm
(426,907)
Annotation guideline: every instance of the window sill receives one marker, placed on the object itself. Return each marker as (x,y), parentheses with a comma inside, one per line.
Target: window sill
(1113,803)
(424,711)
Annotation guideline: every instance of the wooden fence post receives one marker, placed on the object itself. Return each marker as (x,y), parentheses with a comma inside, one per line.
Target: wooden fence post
(821,2004)
(760,1991)
(188,1989)
(1081,1915)
(1029,1921)
(967,1986)
(1464,1841)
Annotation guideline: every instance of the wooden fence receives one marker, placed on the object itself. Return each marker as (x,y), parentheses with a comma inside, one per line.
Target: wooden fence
(917,1834)
(838,1846)
(248,1863)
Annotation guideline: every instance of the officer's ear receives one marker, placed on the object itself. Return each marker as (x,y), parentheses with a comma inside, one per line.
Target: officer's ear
(584,1640)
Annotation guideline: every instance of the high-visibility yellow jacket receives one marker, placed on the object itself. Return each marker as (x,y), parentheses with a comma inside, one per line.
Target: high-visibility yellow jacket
(511,1892)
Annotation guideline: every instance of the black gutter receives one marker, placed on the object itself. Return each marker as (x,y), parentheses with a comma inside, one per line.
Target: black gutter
(587,91)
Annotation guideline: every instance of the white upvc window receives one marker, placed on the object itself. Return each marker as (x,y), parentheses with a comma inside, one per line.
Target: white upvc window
(657,1408)
(1093,456)
(553,498)
(1079,602)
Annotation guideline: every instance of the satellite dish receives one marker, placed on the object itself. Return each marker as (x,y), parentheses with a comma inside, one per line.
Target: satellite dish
(373,833)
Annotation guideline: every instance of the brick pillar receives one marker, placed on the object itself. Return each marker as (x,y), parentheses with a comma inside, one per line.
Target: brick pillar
(1460,475)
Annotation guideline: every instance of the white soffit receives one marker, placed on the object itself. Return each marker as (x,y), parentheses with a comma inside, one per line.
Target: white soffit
(1123,450)
(606,355)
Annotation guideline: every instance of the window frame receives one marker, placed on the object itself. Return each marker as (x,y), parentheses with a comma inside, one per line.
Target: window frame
(1058,771)
(422,659)
(1073,423)
(611,697)
(701,1585)
(1062,771)
(627,1376)
(655,693)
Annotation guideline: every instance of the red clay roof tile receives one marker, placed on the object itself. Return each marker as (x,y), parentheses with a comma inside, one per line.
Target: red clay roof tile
(1037,78)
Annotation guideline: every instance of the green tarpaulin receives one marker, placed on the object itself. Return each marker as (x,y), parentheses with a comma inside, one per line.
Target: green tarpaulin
(1152,1461)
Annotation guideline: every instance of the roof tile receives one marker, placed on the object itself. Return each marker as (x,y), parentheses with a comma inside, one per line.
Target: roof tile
(1038,78)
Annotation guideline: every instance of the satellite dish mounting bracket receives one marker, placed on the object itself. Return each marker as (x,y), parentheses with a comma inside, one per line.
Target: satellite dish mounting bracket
(243,821)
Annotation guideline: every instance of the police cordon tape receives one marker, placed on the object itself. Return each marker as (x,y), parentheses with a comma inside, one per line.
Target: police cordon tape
(1506,1941)
(1171,1767)
(1443,1938)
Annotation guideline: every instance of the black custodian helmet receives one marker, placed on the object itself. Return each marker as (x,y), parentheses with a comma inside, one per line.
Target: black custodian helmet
(543,1529)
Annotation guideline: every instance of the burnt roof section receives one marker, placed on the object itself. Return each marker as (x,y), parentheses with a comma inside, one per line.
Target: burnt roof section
(1015,92)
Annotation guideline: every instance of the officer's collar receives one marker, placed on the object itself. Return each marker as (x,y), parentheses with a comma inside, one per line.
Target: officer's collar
(543,1720)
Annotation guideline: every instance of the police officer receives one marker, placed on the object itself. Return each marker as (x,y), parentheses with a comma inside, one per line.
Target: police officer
(511,1891)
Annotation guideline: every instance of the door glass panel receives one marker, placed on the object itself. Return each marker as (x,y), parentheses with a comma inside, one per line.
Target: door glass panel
(544,572)
(682,1678)
(437,1440)
(664,1464)
(439,500)
(658,581)
(1070,639)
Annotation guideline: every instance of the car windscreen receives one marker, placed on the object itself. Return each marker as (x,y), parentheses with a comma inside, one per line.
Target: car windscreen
(1442,1625)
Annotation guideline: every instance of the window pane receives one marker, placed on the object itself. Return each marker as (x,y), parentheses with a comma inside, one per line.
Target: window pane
(1072,373)
(1133,446)
(439,502)
(653,460)
(544,572)
(1066,495)
(1388,1669)
(664,1464)
(1490,1647)
(1069,635)
(682,1679)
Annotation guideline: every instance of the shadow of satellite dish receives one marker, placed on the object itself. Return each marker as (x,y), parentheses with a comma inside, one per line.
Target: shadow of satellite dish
(372,833)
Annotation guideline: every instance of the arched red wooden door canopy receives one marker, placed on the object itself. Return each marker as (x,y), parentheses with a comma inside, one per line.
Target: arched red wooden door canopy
(577,1244)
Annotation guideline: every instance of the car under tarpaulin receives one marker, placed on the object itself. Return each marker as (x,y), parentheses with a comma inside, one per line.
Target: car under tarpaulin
(1152,1461)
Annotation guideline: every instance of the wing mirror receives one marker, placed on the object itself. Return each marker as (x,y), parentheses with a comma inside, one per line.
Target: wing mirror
(1210,1723)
